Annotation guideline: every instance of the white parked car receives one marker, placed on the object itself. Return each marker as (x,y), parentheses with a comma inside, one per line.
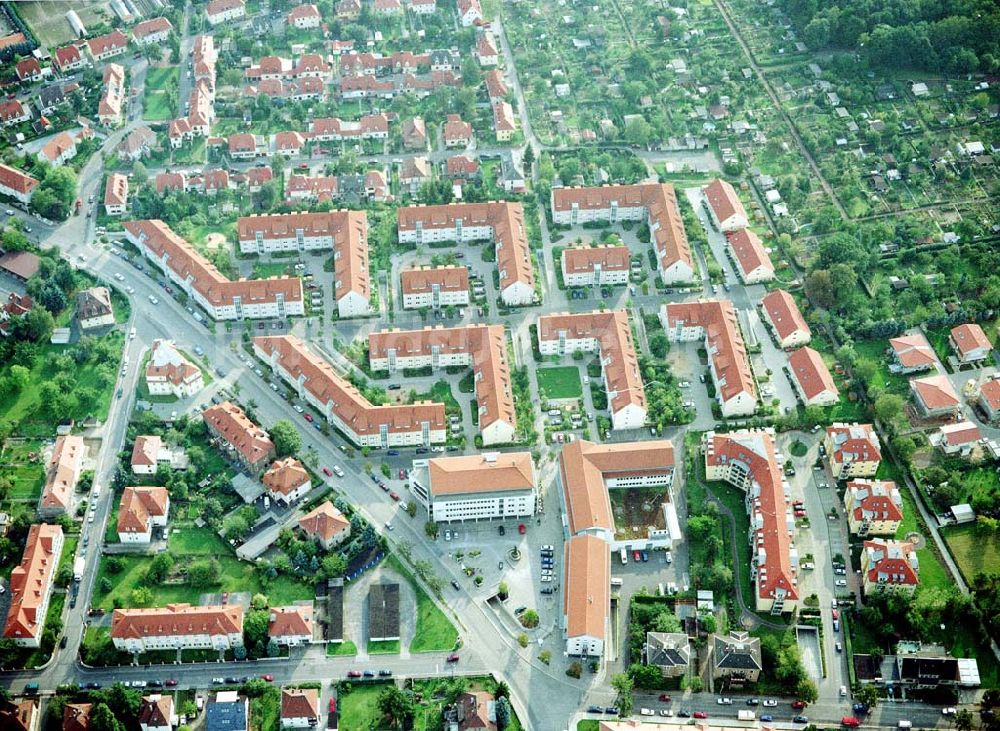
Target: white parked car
(298,408)
(646,712)
(842,582)
(770,703)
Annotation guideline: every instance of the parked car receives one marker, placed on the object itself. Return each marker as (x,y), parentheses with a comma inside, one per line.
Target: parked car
(353,673)
(798,705)
(453,657)
(850,721)
(664,698)
(800,719)
(700,714)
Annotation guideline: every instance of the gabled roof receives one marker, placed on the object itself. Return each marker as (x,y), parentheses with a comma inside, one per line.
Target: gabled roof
(784,314)
(723,200)
(299,703)
(156,710)
(76,717)
(30,581)
(854,443)
(108,42)
(150,27)
(177,620)
(912,351)
(139,505)
(144,452)
(748,251)
(236,428)
(892,563)
(63,472)
(810,372)
(294,621)
(990,393)
(585,258)
(875,500)
(587,586)
(19,715)
(424,279)
(961,433)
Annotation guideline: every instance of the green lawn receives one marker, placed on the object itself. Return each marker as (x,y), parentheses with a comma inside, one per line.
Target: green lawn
(359,707)
(265,710)
(974,549)
(188,545)
(157,103)
(561,382)
(434,631)
(383,647)
(588,724)
(440,393)
(345,648)
(874,350)
(271,269)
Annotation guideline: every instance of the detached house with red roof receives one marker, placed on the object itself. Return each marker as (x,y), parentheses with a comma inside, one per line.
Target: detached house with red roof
(457,133)
(888,565)
(911,354)
(989,399)
(59,150)
(107,46)
(853,450)
(934,396)
(970,343)
(157,713)
(17,185)
(811,378)
(249,443)
(469,13)
(291,626)
(116,195)
(874,507)
(141,510)
(304,16)
(68,58)
(957,439)
(287,480)
(31,584)
(154,30)
(724,206)
(28,70)
(414,133)
(787,323)
(170,373)
(326,525)
(147,453)
(504,124)
(299,708)
(62,474)
(486,49)
(221,11)
(748,460)
(176,627)
(13,112)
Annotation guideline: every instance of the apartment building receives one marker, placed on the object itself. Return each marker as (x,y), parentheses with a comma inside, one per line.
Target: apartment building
(222,11)
(141,510)
(586,266)
(62,472)
(277,297)
(343,406)
(853,450)
(287,480)
(728,213)
(170,373)
(811,378)
(873,507)
(748,460)
(888,565)
(116,195)
(245,440)
(434,287)
(178,627)
(500,222)
(586,596)
(486,486)
(714,322)
(17,185)
(31,584)
(608,334)
(654,203)
(753,263)
(786,321)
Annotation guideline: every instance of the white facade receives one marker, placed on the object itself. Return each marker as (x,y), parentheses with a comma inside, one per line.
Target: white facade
(597,275)
(179,642)
(474,505)
(735,222)
(516,294)
(499,432)
(296,241)
(353,304)
(232,13)
(584,645)
(435,298)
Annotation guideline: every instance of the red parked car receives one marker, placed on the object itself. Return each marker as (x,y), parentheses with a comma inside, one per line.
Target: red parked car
(353,673)
(835,614)
(522,528)
(850,721)
(700,714)
(402,474)
(665,698)
(172,682)
(453,657)
(327,472)
(394,495)
(268,677)
(799,705)
(308,417)
(332,707)
(636,557)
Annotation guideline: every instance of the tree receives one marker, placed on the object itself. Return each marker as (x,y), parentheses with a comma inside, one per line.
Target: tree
(963,720)
(503,713)
(286,438)
(204,573)
(333,566)
(645,676)
(867,694)
(529,618)
(102,719)
(54,196)
(255,624)
(396,706)
(19,377)
(160,567)
(622,685)
(273,648)
(889,408)
(667,621)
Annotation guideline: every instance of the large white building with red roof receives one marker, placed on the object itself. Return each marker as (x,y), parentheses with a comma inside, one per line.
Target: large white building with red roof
(654,203)
(725,207)
(483,347)
(715,323)
(62,473)
(31,584)
(291,626)
(142,509)
(989,399)
(607,333)
(304,16)
(345,233)
(223,299)
(434,287)
(169,373)
(487,486)
(287,480)
(811,378)
(748,460)
(247,441)
(501,222)
(586,595)
(221,11)
(343,406)
(178,627)
(787,323)
(853,450)
(873,507)
(888,565)
(585,266)
(16,184)
(934,396)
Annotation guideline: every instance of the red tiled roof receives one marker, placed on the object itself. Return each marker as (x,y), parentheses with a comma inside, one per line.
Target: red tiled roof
(875,500)
(299,703)
(236,428)
(892,563)
(990,393)
(145,449)
(936,392)
(30,581)
(784,314)
(139,505)
(748,251)
(587,586)
(16,180)
(290,621)
(912,351)
(151,26)
(423,279)
(324,521)
(854,443)
(177,620)
(969,337)
(722,197)
(585,258)
(809,370)
(284,476)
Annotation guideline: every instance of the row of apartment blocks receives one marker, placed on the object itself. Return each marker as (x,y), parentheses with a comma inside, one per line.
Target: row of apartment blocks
(752,261)
(31,584)
(653,203)
(343,406)
(201,102)
(222,299)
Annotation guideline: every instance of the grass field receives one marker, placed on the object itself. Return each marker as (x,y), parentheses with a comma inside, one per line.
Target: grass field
(974,549)
(561,382)
(345,648)
(434,632)
(440,392)
(874,350)
(359,707)
(383,647)
(265,710)
(47,20)
(159,99)
(188,545)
